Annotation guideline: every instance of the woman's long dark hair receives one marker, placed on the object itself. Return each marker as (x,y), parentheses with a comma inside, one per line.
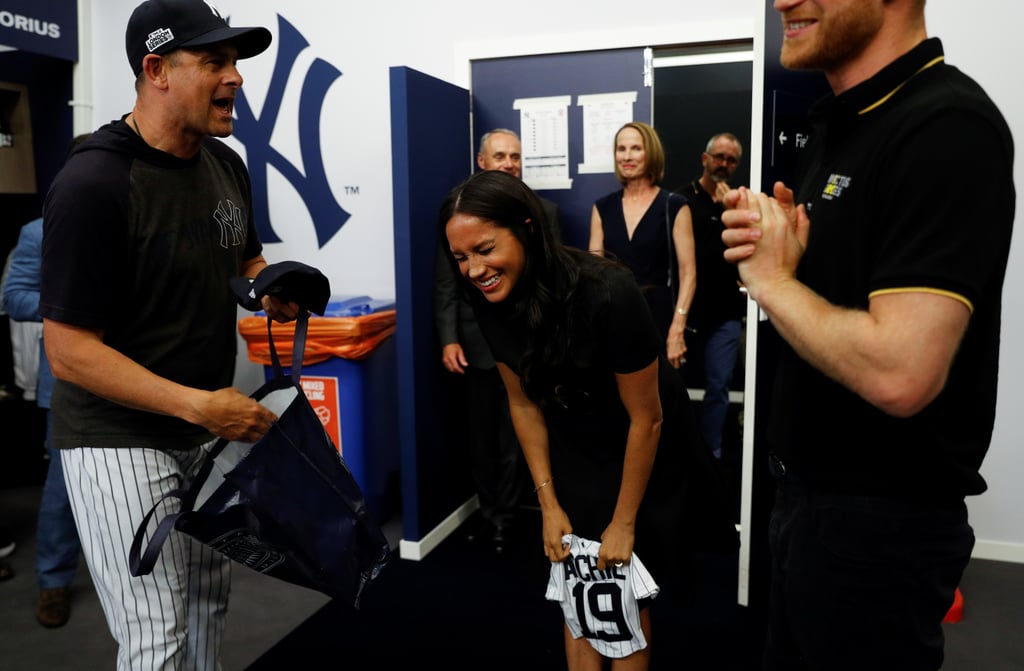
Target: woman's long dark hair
(543,297)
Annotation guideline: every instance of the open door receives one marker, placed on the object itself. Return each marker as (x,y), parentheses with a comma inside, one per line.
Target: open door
(430,154)
(780,127)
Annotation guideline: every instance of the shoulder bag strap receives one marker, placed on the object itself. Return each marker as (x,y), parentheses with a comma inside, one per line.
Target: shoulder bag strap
(670,281)
(142,563)
(298,348)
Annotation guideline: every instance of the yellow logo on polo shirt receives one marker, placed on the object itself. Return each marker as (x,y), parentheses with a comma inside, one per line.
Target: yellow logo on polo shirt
(835,186)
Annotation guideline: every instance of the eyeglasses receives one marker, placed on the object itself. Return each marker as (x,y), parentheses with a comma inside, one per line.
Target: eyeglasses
(725,158)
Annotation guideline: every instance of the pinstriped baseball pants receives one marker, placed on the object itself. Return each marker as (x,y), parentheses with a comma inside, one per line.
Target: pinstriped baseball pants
(173,618)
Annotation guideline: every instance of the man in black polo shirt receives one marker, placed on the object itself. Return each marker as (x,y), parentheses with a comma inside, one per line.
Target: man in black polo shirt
(883,275)
(718,306)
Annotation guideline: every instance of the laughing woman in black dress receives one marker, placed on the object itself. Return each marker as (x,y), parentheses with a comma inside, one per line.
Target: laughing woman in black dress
(603,420)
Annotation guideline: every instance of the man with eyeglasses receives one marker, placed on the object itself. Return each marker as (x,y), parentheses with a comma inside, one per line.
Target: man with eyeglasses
(718,305)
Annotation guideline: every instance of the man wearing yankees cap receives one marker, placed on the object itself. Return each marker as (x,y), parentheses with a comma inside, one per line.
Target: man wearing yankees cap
(143,229)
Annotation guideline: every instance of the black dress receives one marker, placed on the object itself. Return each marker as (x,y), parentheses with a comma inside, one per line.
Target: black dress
(650,253)
(588,424)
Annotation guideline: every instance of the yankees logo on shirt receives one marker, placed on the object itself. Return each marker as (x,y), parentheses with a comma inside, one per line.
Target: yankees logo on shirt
(601,605)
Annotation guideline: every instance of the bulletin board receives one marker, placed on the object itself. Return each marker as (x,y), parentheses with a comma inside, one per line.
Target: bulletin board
(566,108)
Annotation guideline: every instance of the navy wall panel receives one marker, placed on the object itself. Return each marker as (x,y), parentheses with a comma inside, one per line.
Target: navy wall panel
(430,153)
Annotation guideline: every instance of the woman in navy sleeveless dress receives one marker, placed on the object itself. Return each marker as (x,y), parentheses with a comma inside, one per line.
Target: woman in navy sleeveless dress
(650,230)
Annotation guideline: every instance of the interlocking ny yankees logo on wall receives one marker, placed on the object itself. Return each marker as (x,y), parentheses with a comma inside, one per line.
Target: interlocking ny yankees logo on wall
(328,216)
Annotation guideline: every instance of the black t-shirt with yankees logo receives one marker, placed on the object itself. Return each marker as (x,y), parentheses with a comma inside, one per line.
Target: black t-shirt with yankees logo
(141,244)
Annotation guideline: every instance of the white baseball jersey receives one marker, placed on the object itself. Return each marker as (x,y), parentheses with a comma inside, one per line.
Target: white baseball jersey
(601,605)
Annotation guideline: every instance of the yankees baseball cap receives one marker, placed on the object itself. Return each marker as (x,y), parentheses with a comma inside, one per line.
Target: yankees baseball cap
(287,280)
(160,26)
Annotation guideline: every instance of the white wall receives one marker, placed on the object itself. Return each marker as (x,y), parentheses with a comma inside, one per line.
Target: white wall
(364,39)
(988,50)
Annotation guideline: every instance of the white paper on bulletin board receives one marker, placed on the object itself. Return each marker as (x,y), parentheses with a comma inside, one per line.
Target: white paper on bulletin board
(544,131)
(603,115)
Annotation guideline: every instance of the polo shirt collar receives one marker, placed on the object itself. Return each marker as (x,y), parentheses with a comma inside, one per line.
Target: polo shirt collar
(876,91)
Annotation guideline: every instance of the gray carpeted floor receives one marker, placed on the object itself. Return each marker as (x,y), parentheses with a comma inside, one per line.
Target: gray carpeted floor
(263,610)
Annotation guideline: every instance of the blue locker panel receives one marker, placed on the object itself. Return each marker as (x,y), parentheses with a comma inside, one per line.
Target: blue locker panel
(430,153)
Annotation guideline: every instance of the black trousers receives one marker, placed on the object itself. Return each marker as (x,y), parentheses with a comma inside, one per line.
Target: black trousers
(861,582)
(497,465)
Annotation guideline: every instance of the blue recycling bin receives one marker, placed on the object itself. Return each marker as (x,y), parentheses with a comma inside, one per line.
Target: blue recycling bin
(357,401)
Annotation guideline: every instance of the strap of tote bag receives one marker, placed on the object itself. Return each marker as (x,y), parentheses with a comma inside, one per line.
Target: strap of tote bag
(142,562)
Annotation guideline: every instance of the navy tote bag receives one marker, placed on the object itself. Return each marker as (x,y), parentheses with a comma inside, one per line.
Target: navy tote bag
(286,506)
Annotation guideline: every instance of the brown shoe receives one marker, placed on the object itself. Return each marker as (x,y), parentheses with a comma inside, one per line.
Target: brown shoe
(54,607)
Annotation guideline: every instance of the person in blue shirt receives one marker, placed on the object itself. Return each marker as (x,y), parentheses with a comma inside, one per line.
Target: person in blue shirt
(57,543)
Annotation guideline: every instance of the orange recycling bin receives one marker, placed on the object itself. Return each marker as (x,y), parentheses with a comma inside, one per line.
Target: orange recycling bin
(349,375)
(349,329)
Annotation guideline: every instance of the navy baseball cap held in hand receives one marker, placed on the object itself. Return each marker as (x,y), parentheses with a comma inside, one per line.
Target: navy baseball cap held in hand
(289,281)
(160,26)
